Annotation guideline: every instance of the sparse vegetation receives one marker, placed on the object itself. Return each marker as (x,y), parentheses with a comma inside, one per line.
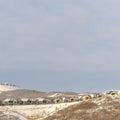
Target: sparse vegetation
(22,104)
(108,110)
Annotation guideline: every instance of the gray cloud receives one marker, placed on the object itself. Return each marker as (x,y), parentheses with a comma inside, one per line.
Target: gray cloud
(59,35)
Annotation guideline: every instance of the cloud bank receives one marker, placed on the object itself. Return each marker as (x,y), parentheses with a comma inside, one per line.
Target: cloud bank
(59,35)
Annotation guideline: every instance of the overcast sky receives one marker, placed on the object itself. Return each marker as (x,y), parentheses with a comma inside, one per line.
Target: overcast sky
(60,45)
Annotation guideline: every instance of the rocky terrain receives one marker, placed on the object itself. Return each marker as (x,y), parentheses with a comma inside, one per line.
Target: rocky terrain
(32,112)
(12,91)
(104,109)
(80,106)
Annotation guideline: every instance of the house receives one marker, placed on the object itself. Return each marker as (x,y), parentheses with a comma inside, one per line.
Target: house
(26,101)
(9,101)
(99,95)
(72,99)
(112,93)
(57,100)
(43,101)
(65,99)
(86,98)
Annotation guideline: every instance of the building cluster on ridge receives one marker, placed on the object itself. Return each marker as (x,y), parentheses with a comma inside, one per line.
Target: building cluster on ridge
(61,99)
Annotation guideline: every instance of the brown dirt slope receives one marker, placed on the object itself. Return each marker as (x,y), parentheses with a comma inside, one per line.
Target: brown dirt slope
(107,110)
(25,93)
(21,93)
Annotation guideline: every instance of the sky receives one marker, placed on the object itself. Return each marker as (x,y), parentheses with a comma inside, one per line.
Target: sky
(60,45)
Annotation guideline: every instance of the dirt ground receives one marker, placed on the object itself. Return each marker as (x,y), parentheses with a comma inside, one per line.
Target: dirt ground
(107,110)
(34,112)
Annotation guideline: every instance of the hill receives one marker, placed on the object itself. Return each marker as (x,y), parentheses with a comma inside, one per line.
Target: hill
(21,93)
(104,109)
(70,106)
(25,93)
(8,87)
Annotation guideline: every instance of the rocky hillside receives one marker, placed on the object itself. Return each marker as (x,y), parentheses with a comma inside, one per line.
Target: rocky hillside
(98,109)
(25,93)
(21,93)
(72,106)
